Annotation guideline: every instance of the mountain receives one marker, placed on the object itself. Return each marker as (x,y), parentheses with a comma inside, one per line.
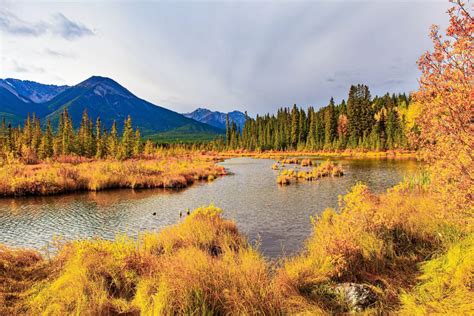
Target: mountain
(30,91)
(216,118)
(12,107)
(100,97)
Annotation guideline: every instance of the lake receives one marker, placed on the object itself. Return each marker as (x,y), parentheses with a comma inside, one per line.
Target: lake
(275,217)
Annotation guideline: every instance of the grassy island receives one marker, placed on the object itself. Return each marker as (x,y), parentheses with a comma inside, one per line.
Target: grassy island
(325,169)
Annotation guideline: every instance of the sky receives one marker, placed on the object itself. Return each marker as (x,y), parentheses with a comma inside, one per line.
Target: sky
(253,56)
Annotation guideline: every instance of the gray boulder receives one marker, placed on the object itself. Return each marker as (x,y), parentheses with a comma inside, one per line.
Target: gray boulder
(357,297)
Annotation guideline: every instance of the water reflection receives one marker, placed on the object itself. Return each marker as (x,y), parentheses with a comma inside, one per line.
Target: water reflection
(276,216)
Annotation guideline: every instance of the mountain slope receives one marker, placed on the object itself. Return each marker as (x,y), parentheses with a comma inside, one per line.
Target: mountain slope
(103,97)
(216,118)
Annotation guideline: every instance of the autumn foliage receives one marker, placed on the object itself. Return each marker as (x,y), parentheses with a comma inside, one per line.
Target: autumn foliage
(446,98)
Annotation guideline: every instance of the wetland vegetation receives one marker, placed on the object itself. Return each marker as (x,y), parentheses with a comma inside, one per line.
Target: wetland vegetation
(410,248)
(325,169)
(170,169)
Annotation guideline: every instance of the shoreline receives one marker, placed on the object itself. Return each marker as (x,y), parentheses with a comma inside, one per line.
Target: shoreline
(404,154)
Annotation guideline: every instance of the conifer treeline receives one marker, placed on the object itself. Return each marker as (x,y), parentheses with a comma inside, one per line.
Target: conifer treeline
(31,142)
(361,123)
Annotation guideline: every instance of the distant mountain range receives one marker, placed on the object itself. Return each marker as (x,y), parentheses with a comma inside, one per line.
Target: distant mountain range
(30,91)
(217,119)
(101,97)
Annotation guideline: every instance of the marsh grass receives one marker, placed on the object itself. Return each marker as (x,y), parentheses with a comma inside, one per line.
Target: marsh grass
(325,169)
(201,265)
(306,162)
(160,171)
(446,283)
(375,240)
(20,270)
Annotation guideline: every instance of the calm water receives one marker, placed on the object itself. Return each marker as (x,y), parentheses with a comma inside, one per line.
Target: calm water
(275,216)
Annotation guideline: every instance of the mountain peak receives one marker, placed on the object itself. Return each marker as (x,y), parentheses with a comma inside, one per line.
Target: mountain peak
(103,85)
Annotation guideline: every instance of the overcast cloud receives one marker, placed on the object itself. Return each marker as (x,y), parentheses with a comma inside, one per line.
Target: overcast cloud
(254,56)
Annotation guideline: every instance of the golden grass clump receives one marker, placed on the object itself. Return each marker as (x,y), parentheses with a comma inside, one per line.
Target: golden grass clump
(275,166)
(204,228)
(161,171)
(200,266)
(376,240)
(20,269)
(205,267)
(286,176)
(95,277)
(290,161)
(283,179)
(325,169)
(192,282)
(306,162)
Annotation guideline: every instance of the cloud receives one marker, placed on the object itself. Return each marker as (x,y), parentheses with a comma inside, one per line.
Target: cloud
(393,82)
(59,25)
(10,23)
(68,29)
(25,68)
(57,53)
(250,55)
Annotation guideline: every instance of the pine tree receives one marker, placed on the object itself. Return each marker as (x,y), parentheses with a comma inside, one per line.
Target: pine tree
(294,127)
(127,139)
(37,135)
(311,143)
(227,131)
(67,137)
(330,125)
(46,146)
(27,132)
(392,129)
(137,147)
(112,142)
(101,148)
(149,148)
(83,135)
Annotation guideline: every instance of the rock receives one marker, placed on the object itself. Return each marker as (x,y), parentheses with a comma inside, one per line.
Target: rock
(357,297)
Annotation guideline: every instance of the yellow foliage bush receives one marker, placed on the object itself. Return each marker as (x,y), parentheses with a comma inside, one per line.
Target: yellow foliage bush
(378,240)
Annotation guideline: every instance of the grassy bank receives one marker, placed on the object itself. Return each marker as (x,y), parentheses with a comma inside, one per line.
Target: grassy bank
(164,170)
(415,257)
